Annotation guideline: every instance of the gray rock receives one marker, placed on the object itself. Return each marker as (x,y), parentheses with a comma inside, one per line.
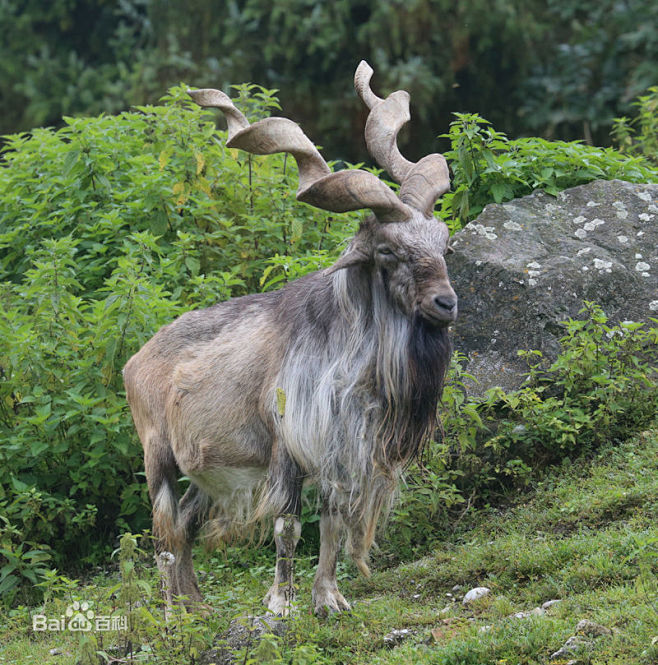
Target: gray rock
(255,626)
(572,646)
(550,603)
(245,631)
(475,594)
(216,656)
(397,636)
(520,615)
(592,629)
(524,266)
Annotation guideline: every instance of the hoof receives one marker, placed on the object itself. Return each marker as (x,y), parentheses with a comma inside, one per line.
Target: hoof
(279,602)
(329,601)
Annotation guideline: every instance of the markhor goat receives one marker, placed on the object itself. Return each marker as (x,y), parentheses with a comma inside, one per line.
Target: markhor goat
(334,379)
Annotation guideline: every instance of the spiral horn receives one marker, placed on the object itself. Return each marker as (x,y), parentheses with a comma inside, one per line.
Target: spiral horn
(421,183)
(318,185)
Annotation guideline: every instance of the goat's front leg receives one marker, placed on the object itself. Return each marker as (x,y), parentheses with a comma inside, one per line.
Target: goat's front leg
(286,491)
(287,530)
(326,597)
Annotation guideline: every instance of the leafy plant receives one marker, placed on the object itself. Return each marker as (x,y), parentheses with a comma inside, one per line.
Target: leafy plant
(639,136)
(490,168)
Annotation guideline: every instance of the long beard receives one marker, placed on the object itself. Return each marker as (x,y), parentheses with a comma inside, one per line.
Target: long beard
(411,409)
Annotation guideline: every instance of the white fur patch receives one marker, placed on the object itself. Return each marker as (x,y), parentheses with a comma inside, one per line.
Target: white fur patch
(225,482)
(165,505)
(233,492)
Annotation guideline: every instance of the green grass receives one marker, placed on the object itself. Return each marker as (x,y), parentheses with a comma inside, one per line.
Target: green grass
(586,535)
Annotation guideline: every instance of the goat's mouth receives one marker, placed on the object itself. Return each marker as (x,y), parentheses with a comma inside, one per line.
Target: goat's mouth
(438,306)
(437,318)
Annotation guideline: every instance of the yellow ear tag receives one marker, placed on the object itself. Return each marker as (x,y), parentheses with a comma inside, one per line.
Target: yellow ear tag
(281,401)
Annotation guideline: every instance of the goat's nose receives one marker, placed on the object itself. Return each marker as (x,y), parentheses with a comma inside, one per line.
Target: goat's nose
(439,306)
(445,303)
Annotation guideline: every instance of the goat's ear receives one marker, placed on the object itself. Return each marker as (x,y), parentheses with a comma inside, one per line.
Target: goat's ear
(352,257)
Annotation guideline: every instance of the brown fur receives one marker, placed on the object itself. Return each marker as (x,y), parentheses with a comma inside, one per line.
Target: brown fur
(358,352)
(203,394)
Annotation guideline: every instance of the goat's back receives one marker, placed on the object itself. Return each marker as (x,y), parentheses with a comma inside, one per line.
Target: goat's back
(203,386)
(198,383)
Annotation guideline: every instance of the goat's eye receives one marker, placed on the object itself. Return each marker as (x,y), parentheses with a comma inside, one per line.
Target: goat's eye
(385,251)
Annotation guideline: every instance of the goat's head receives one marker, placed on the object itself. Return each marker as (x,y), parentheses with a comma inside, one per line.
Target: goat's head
(402,243)
(408,259)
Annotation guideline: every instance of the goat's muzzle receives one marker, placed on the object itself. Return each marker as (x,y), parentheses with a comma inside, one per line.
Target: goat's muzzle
(439,306)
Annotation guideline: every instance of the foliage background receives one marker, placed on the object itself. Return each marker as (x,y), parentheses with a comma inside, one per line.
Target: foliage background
(112,225)
(558,70)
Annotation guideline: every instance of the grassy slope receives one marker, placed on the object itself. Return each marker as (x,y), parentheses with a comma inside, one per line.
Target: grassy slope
(583,537)
(579,539)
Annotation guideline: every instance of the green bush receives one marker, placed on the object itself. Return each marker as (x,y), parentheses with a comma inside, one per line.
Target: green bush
(639,136)
(111,227)
(488,167)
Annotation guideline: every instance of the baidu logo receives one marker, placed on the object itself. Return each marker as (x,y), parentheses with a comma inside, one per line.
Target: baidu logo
(79,618)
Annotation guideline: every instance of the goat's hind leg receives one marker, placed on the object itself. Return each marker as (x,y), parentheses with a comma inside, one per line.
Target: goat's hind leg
(161,473)
(192,508)
(326,597)
(286,491)
(175,526)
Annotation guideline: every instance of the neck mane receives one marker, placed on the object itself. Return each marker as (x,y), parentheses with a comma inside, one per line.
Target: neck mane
(406,360)
(361,382)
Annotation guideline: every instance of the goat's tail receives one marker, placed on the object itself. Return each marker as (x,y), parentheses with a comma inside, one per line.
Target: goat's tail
(161,478)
